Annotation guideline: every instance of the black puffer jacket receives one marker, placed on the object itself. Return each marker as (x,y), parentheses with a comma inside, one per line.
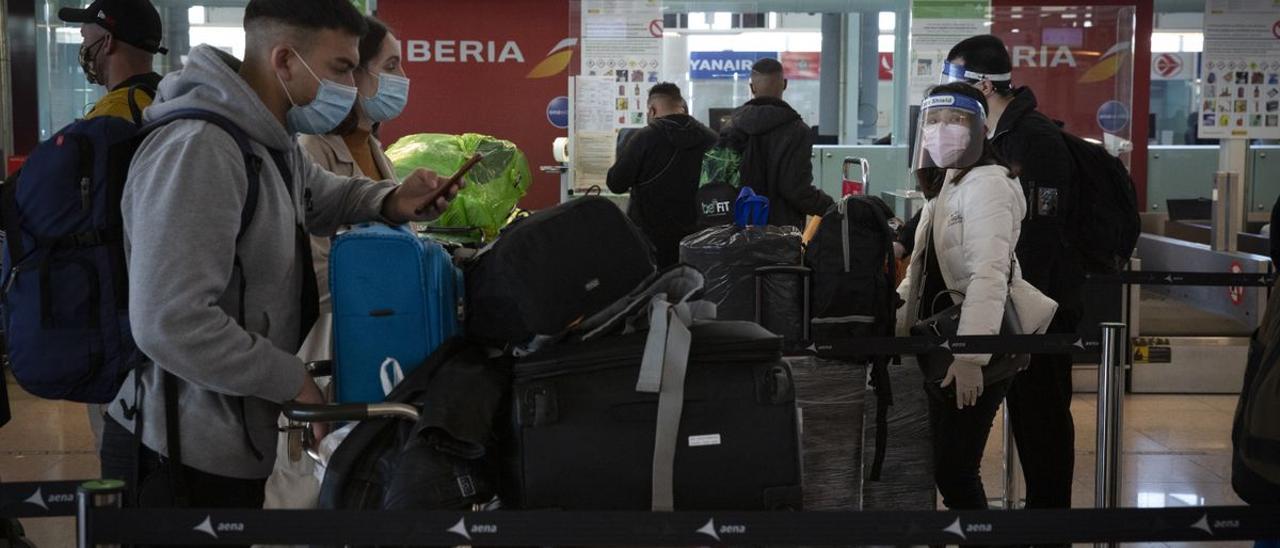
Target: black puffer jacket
(777,147)
(1033,147)
(660,165)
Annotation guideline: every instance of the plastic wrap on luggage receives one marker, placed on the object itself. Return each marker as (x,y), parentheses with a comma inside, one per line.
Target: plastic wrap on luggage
(907,479)
(832,398)
(728,256)
(494,186)
(721,165)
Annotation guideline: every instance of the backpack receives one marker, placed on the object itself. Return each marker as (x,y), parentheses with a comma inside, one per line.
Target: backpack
(1104,221)
(750,209)
(854,294)
(66,318)
(1255,432)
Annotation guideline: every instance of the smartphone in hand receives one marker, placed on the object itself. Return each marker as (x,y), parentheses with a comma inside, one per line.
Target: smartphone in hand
(454,181)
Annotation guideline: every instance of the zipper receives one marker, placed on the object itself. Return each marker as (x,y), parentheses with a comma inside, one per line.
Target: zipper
(86,194)
(844,234)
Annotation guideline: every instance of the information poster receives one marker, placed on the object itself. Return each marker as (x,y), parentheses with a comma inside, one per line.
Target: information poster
(595,129)
(622,40)
(1240,75)
(621,59)
(937,26)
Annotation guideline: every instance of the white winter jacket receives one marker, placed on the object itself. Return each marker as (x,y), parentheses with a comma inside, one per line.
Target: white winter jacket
(976,224)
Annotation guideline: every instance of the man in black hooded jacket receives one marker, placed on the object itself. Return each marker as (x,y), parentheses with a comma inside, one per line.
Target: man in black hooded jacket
(777,147)
(660,165)
(1040,397)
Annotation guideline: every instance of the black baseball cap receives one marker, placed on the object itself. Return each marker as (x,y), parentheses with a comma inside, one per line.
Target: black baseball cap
(134,22)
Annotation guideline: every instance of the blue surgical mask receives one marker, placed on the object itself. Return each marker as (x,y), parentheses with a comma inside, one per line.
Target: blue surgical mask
(389,101)
(332,103)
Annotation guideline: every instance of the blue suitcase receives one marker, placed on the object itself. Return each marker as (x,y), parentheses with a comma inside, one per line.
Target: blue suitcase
(396,297)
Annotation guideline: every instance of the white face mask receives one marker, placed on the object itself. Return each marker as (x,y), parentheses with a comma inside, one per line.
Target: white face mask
(946,143)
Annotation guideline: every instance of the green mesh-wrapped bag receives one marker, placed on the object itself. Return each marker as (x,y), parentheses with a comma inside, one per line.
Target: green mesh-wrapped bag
(721,165)
(494,186)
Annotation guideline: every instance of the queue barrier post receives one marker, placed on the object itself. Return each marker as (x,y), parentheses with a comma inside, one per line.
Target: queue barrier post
(95,495)
(1110,417)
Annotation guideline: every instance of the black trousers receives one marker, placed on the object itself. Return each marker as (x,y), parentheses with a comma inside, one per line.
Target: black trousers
(155,477)
(959,438)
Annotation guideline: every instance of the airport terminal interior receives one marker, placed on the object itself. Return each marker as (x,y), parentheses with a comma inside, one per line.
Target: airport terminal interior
(558,89)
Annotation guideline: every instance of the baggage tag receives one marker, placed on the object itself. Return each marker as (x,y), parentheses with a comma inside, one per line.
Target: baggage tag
(851,186)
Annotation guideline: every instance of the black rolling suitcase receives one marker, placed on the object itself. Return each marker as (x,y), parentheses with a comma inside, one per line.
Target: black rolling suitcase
(585,438)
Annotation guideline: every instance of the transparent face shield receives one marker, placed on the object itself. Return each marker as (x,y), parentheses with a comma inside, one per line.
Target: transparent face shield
(951,132)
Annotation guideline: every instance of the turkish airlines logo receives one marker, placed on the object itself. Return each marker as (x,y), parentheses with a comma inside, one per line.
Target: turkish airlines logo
(1168,65)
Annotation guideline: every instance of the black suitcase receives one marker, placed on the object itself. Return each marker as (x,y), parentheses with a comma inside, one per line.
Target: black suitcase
(584,437)
(552,269)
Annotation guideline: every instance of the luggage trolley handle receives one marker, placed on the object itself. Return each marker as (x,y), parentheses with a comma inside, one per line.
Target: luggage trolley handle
(347,412)
(864,179)
(806,276)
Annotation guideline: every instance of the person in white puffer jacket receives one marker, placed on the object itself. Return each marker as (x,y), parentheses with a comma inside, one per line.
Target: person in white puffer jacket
(964,253)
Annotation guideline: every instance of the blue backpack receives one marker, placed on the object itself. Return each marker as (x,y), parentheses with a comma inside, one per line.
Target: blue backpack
(750,209)
(64,279)
(396,297)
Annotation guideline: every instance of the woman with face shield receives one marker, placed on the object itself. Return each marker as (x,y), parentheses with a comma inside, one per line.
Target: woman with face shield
(963,255)
(351,148)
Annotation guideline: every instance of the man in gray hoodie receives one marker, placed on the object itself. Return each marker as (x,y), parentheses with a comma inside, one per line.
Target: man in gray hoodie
(182,207)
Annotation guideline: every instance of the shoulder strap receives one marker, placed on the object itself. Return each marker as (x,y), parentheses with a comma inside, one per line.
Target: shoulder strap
(253,170)
(252,162)
(134,109)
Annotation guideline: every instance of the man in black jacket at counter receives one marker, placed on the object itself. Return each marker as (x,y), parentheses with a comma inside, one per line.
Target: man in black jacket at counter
(660,164)
(1040,397)
(777,148)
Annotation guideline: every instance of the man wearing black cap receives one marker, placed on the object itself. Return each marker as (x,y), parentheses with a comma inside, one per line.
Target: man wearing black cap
(120,39)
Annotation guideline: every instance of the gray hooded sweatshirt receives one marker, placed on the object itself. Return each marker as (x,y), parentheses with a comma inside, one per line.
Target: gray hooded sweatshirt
(182,205)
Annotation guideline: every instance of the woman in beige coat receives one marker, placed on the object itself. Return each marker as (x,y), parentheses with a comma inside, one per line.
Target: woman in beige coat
(351,149)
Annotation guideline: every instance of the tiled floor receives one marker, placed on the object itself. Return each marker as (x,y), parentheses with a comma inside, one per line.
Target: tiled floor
(1176,453)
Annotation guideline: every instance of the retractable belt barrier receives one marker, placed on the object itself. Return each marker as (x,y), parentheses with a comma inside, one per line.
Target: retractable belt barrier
(977,344)
(527,528)
(1205,279)
(38,500)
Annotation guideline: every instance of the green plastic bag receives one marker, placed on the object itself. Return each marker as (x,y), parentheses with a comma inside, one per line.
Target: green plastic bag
(721,165)
(494,186)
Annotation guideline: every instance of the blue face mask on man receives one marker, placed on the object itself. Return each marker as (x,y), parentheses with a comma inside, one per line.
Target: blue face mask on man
(390,100)
(332,103)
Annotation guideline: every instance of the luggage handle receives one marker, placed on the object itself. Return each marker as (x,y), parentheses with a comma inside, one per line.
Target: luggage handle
(806,281)
(861,162)
(347,412)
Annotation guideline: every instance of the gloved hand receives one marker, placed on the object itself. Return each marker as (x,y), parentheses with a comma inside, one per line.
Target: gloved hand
(967,376)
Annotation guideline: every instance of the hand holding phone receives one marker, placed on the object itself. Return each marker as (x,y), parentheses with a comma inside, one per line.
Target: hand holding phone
(454,182)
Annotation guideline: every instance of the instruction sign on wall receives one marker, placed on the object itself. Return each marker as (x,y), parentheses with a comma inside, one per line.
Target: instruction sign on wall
(1240,96)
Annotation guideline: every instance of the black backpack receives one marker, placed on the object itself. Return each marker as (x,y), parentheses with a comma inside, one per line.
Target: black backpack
(1255,432)
(854,294)
(1104,221)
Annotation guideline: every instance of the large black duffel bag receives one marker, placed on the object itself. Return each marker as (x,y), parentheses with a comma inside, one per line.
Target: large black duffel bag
(553,269)
(587,438)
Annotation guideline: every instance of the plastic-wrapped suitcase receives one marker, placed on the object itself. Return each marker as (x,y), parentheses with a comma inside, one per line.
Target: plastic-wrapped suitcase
(396,297)
(584,436)
(730,256)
